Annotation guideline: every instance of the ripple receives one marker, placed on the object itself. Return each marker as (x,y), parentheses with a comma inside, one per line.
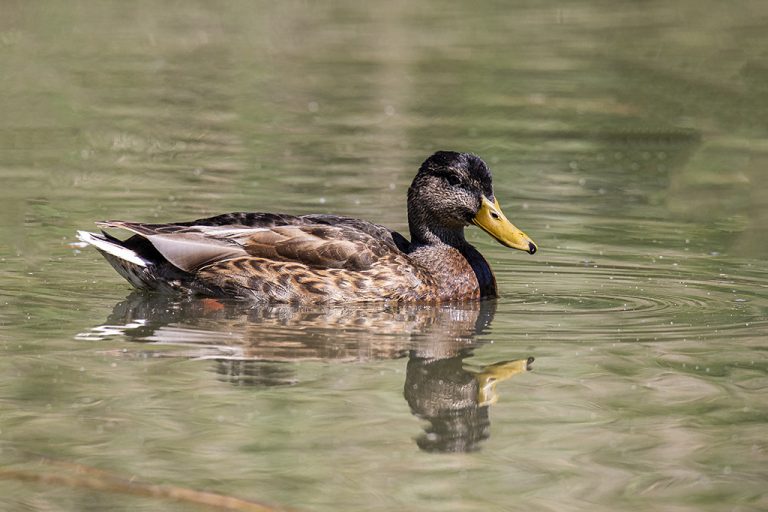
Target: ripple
(641,302)
(590,304)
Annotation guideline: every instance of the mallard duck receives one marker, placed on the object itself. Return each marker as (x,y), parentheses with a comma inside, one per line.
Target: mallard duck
(273,257)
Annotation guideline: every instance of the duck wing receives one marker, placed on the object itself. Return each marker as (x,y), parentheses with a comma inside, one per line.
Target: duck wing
(270,220)
(317,246)
(314,241)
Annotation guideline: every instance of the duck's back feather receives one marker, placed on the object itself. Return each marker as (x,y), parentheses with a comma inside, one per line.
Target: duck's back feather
(269,220)
(283,258)
(318,241)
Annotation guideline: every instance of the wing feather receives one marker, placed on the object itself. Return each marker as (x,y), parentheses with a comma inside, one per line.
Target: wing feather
(312,241)
(318,246)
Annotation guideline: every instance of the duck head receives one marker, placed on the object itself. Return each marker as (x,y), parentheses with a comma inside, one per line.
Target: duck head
(453,190)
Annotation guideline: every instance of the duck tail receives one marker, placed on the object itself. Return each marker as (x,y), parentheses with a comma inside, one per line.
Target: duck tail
(127,262)
(112,247)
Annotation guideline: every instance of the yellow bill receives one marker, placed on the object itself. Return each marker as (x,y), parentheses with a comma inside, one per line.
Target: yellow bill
(492,220)
(488,377)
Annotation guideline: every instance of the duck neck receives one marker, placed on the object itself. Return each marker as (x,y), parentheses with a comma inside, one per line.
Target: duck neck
(430,235)
(425,232)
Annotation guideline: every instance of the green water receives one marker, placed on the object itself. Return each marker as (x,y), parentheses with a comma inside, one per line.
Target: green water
(627,138)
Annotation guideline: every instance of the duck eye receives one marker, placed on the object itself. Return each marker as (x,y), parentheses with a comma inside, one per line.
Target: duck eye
(452,180)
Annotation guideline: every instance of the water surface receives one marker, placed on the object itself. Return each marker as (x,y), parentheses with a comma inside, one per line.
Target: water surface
(627,139)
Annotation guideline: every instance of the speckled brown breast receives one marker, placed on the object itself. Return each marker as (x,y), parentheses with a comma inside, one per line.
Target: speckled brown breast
(459,274)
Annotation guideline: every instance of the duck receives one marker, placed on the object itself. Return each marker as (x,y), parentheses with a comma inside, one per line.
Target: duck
(323,258)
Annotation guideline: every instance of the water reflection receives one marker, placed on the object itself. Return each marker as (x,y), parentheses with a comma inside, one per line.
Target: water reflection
(455,399)
(249,346)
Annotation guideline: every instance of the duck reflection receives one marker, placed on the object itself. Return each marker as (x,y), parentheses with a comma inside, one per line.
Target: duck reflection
(248,344)
(455,399)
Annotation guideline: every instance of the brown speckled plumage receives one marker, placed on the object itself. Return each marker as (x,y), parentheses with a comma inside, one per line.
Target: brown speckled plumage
(265,257)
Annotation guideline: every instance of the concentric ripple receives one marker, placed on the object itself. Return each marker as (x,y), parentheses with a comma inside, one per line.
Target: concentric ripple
(639,302)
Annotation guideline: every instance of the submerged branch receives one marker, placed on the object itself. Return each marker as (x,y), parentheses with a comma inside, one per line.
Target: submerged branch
(87,477)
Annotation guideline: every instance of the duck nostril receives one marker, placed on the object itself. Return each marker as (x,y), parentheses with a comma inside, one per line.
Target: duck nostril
(495,216)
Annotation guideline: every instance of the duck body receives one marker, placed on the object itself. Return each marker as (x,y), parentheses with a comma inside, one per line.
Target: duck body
(279,258)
